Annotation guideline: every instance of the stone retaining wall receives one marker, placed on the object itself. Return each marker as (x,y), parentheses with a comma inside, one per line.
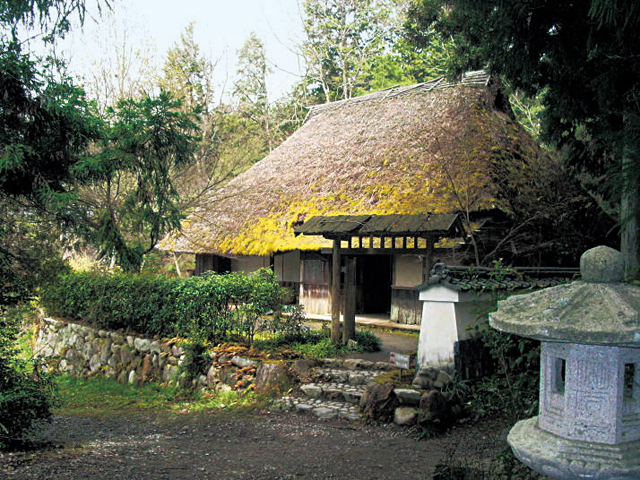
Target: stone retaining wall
(84,351)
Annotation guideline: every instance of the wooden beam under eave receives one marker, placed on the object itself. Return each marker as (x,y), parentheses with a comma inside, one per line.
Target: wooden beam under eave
(335,292)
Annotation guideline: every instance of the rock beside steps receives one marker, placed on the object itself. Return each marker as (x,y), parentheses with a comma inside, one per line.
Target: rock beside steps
(335,388)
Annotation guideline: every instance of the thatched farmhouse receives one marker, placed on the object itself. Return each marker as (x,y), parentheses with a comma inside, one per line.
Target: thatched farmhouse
(396,179)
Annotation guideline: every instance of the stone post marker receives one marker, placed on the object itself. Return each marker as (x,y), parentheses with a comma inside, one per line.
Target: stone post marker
(589,421)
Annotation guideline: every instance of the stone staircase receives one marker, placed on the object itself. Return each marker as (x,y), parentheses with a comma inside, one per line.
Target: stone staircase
(334,389)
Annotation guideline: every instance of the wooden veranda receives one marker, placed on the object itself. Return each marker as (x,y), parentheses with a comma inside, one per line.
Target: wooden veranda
(374,234)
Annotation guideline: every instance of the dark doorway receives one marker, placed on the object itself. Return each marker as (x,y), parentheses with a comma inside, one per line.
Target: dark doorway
(373,284)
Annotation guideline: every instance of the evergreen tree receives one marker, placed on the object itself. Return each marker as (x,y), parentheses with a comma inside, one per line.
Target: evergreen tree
(45,127)
(250,88)
(585,58)
(134,201)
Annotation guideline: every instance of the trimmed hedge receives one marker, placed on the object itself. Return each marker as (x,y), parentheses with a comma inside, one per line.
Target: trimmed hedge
(208,307)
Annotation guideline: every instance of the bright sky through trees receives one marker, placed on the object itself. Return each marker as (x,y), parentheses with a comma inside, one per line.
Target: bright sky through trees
(220,28)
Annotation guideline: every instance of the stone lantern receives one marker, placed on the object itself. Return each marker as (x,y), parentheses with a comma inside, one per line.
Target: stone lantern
(589,419)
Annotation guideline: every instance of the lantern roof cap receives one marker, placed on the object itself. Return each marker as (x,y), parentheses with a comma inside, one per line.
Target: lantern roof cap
(597,310)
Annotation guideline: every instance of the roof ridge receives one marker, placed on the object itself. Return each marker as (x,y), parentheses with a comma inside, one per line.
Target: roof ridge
(473,78)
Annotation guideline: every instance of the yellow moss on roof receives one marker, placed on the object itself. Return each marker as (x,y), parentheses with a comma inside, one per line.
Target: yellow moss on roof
(419,151)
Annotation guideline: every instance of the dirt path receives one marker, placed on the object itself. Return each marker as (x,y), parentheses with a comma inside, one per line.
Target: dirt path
(224,446)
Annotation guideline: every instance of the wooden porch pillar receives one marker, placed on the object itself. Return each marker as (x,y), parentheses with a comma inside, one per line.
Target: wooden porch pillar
(335,292)
(349,300)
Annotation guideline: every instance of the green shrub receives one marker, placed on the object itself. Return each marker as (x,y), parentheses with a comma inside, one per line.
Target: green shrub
(514,388)
(26,393)
(209,307)
(367,341)
(317,344)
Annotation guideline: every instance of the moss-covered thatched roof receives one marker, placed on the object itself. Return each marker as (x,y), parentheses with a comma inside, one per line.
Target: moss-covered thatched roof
(428,148)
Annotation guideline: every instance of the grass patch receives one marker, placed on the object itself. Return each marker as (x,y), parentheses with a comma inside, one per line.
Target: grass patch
(316,344)
(97,396)
(235,401)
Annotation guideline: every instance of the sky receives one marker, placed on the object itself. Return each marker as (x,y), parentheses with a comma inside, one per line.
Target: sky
(220,28)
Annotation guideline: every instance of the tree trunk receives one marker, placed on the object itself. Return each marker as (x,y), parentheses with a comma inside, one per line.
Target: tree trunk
(176,263)
(629,239)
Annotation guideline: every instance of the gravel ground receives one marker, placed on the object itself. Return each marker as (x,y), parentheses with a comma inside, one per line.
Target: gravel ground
(226,446)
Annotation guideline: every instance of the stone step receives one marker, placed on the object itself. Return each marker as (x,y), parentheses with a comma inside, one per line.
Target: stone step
(349,377)
(356,364)
(318,407)
(339,392)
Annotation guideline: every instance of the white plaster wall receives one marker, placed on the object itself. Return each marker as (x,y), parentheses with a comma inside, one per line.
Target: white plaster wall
(407,271)
(446,317)
(249,264)
(438,333)
(287,266)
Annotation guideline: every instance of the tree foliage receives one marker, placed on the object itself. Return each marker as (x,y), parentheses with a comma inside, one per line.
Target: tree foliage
(126,69)
(228,142)
(250,88)
(45,126)
(187,74)
(341,38)
(26,393)
(135,202)
(584,57)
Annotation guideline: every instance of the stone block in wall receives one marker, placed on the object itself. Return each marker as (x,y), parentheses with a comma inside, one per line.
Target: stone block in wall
(105,349)
(94,363)
(273,377)
(171,360)
(162,360)
(126,354)
(404,416)
(155,347)
(243,362)
(177,351)
(212,375)
(148,370)
(142,344)
(45,351)
(407,396)
(170,374)
(87,350)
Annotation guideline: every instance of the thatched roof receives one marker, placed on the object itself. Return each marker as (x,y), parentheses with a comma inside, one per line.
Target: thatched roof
(422,149)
